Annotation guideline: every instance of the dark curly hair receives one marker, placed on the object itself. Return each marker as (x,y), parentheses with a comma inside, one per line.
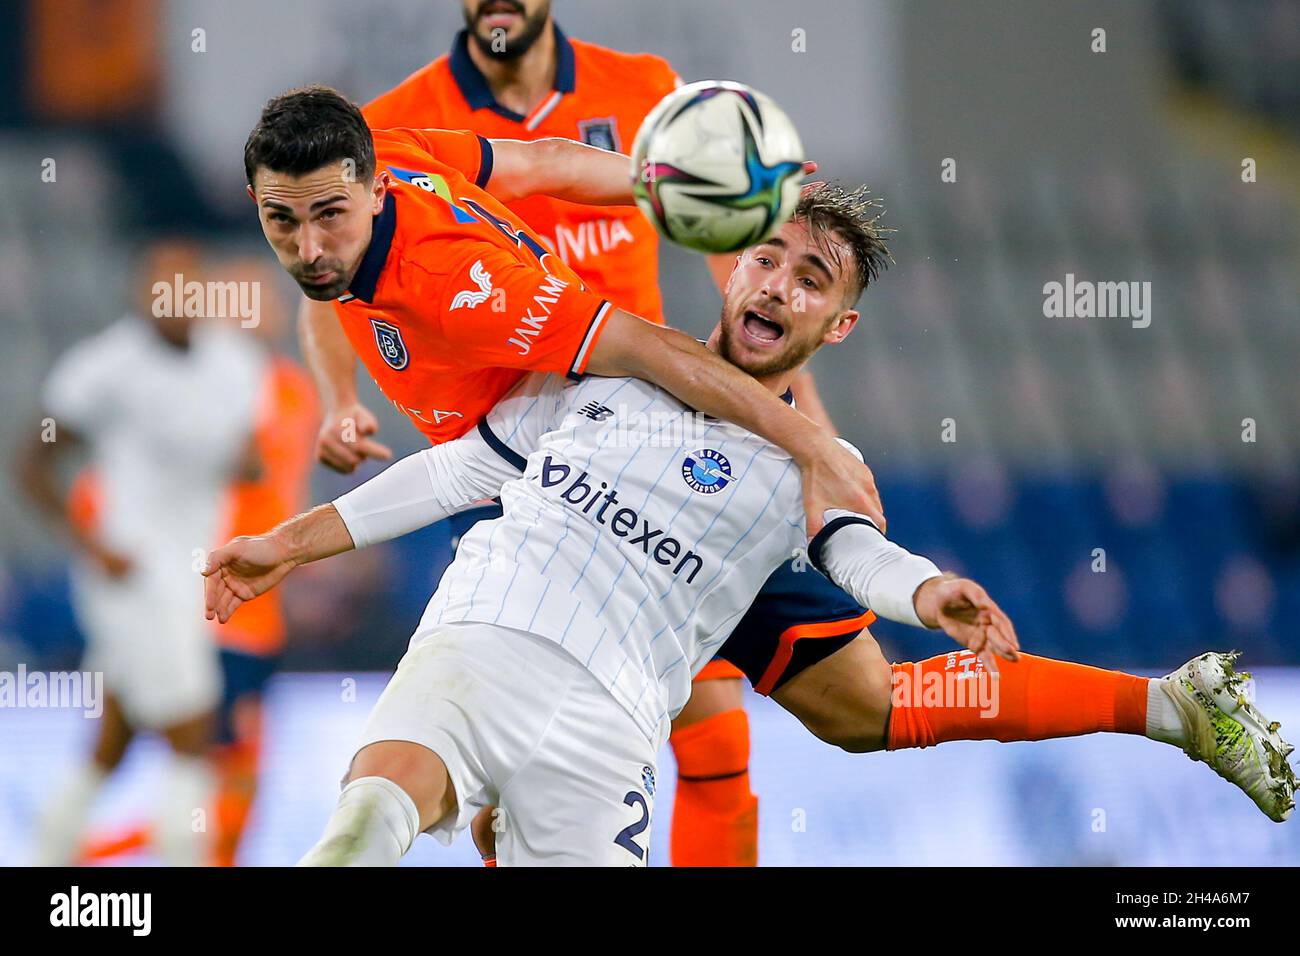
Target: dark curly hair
(302,130)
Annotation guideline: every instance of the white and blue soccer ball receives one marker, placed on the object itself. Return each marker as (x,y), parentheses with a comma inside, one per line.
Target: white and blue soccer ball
(717,166)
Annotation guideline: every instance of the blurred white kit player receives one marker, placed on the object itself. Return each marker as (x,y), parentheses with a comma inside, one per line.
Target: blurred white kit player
(167,428)
(562,640)
(167,425)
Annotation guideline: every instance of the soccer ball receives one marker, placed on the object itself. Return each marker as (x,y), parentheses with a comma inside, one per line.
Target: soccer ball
(717,166)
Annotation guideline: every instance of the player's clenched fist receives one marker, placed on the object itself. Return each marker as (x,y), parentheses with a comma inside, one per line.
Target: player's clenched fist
(344,438)
(969,616)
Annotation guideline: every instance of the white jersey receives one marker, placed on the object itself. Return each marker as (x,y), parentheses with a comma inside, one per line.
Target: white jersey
(635,533)
(638,535)
(166,429)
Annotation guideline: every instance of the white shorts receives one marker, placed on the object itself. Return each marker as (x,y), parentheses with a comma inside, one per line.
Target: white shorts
(150,641)
(522,725)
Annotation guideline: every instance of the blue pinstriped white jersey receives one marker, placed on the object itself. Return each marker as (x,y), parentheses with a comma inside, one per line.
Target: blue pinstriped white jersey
(637,536)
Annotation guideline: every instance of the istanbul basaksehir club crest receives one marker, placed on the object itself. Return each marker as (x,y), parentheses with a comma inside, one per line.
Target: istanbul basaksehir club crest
(391,347)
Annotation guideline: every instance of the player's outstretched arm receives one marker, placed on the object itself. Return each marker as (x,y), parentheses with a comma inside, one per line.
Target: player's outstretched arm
(414,492)
(910,589)
(247,567)
(832,476)
(37,474)
(560,168)
(809,400)
(564,169)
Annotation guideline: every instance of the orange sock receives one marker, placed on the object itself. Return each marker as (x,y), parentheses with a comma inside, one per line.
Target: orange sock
(1035,698)
(100,848)
(715,816)
(236,766)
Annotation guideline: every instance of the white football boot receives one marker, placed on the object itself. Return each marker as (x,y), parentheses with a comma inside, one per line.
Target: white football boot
(1225,731)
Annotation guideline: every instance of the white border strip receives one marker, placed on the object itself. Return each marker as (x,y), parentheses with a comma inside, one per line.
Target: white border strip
(592,331)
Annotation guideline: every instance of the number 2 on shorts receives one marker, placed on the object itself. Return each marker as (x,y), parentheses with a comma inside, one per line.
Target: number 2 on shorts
(624,838)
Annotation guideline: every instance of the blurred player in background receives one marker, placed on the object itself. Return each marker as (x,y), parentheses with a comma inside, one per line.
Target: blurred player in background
(163,405)
(513,73)
(286,418)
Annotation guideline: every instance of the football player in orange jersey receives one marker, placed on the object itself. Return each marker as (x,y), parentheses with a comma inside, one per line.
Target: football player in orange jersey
(406,231)
(514,73)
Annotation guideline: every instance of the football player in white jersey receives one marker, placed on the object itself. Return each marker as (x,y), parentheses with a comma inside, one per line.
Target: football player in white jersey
(163,407)
(562,640)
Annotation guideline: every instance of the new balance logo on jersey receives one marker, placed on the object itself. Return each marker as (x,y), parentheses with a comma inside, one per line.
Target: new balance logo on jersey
(581,494)
(531,324)
(471,298)
(596,411)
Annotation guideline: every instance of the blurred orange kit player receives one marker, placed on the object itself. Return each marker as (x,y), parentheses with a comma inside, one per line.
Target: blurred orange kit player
(613,248)
(598,96)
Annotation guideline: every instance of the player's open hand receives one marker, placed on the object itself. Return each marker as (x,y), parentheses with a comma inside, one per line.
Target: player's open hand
(836,478)
(344,438)
(240,571)
(969,616)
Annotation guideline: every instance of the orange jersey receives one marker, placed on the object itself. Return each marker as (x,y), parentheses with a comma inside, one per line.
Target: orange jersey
(454,299)
(600,97)
(285,436)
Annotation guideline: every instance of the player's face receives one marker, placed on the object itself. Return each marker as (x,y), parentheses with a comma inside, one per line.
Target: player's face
(785,300)
(506,29)
(319,224)
(162,262)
